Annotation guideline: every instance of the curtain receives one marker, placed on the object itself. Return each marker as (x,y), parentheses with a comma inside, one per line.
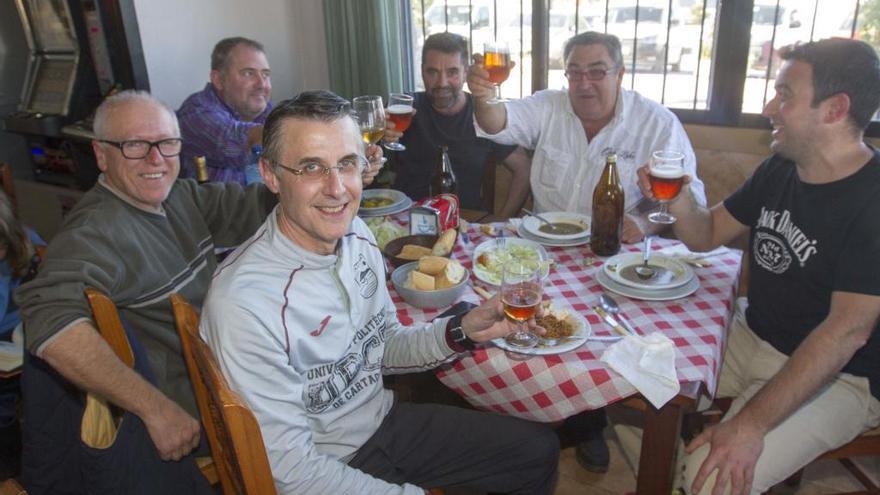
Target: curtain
(364,46)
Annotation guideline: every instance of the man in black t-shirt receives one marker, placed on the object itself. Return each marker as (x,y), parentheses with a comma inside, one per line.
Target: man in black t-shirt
(801,360)
(444,116)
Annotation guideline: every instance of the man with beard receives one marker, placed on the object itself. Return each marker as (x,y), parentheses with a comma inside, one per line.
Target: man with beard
(301,322)
(573,131)
(225,119)
(801,359)
(444,116)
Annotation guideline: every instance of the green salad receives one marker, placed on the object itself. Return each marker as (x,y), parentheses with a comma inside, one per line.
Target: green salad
(490,263)
(384,230)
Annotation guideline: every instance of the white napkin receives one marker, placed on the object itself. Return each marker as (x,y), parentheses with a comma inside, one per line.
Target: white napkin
(681,251)
(648,363)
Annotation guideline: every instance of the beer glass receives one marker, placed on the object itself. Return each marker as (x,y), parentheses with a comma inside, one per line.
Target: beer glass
(521,295)
(400,112)
(496,60)
(666,175)
(370,115)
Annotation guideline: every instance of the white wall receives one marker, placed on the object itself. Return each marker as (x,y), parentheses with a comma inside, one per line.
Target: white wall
(177,38)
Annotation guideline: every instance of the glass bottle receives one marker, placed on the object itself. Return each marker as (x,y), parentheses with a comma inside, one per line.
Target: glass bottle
(201,169)
(607,215)
(443,180)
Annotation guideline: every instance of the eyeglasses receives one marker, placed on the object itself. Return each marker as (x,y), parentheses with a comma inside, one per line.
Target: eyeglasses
(137,149)
(596,74)
(347,167)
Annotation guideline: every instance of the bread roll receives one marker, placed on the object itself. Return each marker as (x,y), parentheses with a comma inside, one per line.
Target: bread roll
(452,275)
(444,244)
(420,281)
(413,252)
(432,265)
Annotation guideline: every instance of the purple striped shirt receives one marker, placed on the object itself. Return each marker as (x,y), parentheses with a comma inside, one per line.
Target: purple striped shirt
(212,129)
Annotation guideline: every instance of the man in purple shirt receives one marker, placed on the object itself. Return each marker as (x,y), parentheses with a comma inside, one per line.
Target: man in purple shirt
(223,121)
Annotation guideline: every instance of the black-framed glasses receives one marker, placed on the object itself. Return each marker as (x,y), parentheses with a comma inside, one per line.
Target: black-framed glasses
(347,167)
(136,149)
(596,74)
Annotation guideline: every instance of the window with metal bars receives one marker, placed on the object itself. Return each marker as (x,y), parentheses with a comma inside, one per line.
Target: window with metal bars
(709,61)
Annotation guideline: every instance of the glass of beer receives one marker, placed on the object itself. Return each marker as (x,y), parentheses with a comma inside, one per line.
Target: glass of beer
(521,295)
(400,112)
(666,176)
(496,60)
(370,115)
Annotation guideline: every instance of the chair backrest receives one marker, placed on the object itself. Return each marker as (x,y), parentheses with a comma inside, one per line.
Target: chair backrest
(233,432)
(109,325)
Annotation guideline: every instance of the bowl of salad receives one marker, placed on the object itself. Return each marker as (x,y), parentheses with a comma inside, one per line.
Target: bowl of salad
(491,256)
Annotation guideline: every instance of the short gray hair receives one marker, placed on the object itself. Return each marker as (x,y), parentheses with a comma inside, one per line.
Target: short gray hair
(102,114)
(609,41)
(220,54)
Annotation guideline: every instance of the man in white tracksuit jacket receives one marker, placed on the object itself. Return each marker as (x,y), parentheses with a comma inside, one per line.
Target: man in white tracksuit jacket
(301,321)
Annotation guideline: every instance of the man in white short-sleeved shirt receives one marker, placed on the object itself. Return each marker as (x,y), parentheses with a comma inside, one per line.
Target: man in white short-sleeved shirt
(573,131)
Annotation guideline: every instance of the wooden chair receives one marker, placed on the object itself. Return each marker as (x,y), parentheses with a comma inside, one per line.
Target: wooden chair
(11,487)
(233,433)
(110,327)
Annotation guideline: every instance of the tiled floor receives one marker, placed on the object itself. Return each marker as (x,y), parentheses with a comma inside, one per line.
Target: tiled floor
(820,478)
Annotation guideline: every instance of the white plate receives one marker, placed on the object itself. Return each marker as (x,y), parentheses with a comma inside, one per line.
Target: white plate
(491,245)
(533,226)
(583,331)
(618,268)
(396,197)
(381,212)
(548,242)
(648,295)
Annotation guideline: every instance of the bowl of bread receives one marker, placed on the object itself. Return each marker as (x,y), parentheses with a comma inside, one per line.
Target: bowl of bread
(430,282)
(411,248)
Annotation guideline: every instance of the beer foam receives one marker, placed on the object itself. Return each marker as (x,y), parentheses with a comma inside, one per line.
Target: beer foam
(398,108)
(667,171)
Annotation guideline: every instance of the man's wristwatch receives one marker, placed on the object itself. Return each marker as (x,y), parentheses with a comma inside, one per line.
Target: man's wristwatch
(456,333)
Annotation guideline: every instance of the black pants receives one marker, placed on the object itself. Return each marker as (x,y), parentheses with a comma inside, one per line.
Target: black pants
(433,446)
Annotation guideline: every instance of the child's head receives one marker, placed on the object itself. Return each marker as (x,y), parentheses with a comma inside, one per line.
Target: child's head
(15,247)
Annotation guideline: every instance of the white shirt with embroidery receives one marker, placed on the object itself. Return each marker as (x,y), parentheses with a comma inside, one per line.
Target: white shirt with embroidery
(566,167)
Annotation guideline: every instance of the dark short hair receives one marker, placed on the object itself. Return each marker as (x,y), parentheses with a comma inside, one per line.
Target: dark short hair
(220,55)
(320,105)
(842,66)
(447,43)
(609,41)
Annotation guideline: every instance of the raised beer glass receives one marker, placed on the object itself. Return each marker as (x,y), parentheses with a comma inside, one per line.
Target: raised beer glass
(666,176)
(370,115)
(400,112)
(496,60)
(521,295)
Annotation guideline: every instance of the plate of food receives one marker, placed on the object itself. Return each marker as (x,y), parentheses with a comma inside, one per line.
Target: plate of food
(490,257)
(376,202)
(668,273)
(648,294)
(566,330)
(563,226)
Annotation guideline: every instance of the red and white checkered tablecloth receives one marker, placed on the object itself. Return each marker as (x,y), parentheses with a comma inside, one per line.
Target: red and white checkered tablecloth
(551,388)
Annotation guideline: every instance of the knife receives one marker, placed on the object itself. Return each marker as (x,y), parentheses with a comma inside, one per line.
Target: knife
(611,321)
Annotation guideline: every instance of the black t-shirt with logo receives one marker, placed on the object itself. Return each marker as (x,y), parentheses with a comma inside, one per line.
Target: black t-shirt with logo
(807,241)
(468,153)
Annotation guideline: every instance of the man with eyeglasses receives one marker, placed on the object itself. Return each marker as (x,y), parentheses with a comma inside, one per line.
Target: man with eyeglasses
(138,235)
(572,132)
(303,327)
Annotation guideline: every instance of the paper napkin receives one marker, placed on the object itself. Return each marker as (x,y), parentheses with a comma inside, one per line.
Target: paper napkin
(680,250)
(648,363)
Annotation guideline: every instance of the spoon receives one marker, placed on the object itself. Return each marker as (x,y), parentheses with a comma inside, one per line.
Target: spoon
(610,305)
(644,271)
(539,217)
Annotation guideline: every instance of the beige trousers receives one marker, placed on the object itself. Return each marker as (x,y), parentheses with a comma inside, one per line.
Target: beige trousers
(838,413)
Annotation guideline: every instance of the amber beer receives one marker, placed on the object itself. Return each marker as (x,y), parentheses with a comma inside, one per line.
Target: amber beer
(201,169)
(372,135)
(521,303)
(401,116)
(498,66)
(666,181)
(443,181)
